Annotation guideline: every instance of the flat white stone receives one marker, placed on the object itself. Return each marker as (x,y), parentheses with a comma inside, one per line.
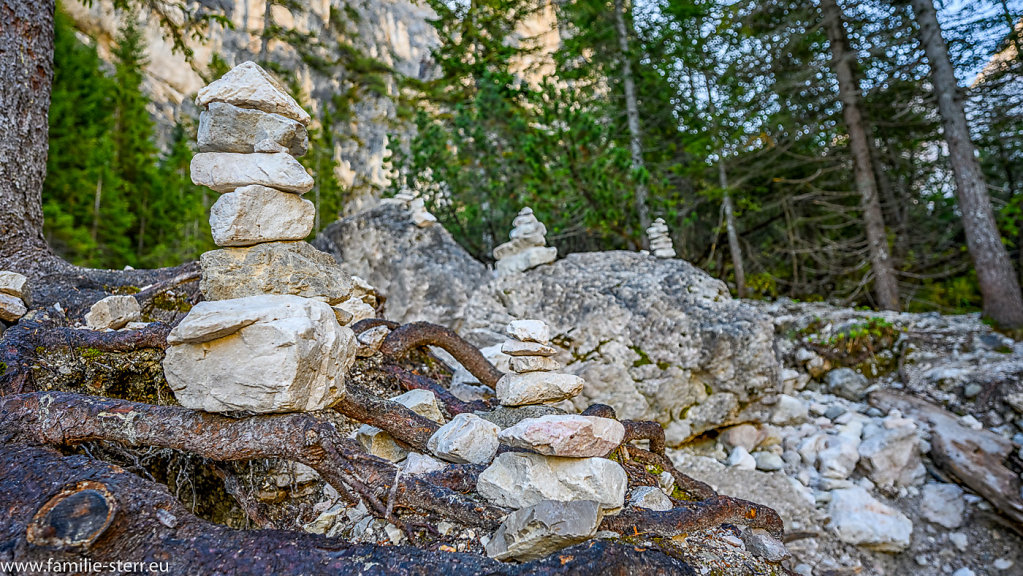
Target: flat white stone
(529,331)
(273,268)
(228,171)
(859,518)
(12,308)
(466,439)
(356,309)
(517,480)
(249,86)
(227,128)
(370,340)
(537,388)
(651,498)
(566,435)
(268,353)
(516,348)
(113,312)
(422,402)
(523,364)
(254,214)
(417,463)
(14,284)
(380,443)
(526,259)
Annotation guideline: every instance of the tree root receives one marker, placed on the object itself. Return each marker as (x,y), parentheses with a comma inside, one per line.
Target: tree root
(692,516)
(691,486)
(416,334)
(370,323)
(150,525)
(24,343)
(404,425)
(645,430)
(452,404)
(64,419)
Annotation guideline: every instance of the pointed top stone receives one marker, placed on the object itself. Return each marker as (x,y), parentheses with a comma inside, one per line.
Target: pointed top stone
(249,86)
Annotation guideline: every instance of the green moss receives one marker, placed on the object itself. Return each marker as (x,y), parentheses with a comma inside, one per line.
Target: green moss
(173,302)
(643,359)
(123,290)
(89,353)
(663,365)
(3,368)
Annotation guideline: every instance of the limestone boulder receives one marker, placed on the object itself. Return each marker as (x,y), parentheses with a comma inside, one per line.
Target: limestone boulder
(537,388)
(113,312)
(654,338)
(267,353)
(227,128)
(227,171)
(567,435)
(518,480)
(543,529)
(423,273)
(529,331)
(273,268)
(249,86)
(255,214)
(466,439)
(526,259)
(891,457)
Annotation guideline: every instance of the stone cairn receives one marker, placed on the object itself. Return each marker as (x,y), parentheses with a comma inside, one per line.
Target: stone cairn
(527,247)
(417,206)
(660,242)
(267,338)
(561,486)
(14,297)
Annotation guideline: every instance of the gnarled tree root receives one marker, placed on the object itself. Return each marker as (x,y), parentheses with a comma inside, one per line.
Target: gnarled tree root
(452,404)
(150,525)
(404,425)
(64,419)
(415,334)
(692,516)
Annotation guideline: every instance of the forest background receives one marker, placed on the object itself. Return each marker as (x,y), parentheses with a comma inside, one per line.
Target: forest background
(729,119)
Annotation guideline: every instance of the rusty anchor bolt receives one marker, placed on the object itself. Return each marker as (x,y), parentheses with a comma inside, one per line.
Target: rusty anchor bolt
(74,518)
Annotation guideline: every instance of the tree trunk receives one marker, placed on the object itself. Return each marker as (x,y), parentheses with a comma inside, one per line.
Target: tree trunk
(632,114)
(733,235)
(998,286)
(26,74)
(885,286)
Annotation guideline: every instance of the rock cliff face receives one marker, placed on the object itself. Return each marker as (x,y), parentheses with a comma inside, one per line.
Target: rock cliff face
(396,33)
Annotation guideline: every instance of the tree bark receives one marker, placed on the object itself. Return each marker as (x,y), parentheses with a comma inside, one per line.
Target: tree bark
(26,75)
(733,235)
(886,287)
(632,115)
(1003,302)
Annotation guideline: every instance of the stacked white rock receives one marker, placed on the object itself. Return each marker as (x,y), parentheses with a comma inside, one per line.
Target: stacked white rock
(266,339)
(527,247)
(660,241)
(562,485)
(417,206)
(14,295)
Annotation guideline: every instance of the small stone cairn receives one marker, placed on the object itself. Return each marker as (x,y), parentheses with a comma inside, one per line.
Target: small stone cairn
(660,242)
(417,206)
(527,247)
(267,338)
(561,486)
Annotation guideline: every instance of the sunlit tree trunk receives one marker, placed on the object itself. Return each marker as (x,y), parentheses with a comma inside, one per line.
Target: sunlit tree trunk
(632,115)
(998,285)
(886,287)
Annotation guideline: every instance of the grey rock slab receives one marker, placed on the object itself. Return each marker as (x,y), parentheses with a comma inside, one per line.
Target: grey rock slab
(12,308)
(422,402)
(249,86)
(255,214)
(113,312)
(892,457)
(527,349)
(847,383)
(228,171)
(568,435)
(466,439)
(544,528)
(523,364)
(859,518)
(942,504)
(526,259)
(517,480)
(284,354)
(508,416)
(273,268)
(762,544)
(227,128)
(537,387)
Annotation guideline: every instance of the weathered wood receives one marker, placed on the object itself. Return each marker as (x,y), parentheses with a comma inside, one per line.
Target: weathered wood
(692,516)
(452,404)
(152,526)
(404,425)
